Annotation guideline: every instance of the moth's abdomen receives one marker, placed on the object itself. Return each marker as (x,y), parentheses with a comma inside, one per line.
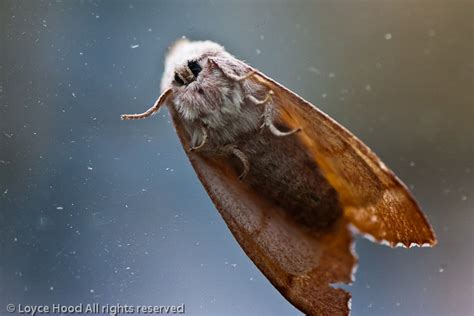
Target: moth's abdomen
(282,171)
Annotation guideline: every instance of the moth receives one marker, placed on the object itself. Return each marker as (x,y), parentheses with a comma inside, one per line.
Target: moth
(291,183)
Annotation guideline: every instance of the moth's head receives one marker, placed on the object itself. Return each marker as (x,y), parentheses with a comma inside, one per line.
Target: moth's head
(186,60)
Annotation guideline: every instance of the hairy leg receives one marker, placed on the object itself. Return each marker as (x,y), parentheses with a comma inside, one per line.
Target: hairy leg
(158,103)
(269,114)
(204,139)
(233,150)
(245,162)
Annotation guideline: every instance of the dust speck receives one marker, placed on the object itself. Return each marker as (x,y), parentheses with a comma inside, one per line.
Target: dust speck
(314,70)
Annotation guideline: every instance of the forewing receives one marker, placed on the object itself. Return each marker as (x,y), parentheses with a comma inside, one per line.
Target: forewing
(301,264)
(375,201)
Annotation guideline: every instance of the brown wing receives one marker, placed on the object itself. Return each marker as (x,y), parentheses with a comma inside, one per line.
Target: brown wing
(301,264)
(375,201)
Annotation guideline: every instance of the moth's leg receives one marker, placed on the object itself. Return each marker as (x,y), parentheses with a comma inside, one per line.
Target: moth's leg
(229,74)
(204,139)
(269,114)
(233,150)
(245,162)
(256,101)
(158,103)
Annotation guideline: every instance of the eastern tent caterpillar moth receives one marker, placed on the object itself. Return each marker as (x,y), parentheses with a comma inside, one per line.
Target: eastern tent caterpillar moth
(288,180)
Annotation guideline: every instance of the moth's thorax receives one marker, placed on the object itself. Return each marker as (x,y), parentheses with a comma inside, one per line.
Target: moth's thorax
(211,99)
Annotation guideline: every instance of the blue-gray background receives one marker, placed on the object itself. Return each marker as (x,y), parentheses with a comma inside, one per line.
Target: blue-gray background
(93,209)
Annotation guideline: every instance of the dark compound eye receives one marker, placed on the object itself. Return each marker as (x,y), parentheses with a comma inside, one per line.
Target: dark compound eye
(178,79)
(194,67)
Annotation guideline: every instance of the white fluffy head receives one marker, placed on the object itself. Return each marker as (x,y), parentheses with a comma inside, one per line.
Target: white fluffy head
(182,51)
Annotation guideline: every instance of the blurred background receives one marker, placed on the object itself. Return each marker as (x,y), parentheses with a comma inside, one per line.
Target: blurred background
(96,210)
